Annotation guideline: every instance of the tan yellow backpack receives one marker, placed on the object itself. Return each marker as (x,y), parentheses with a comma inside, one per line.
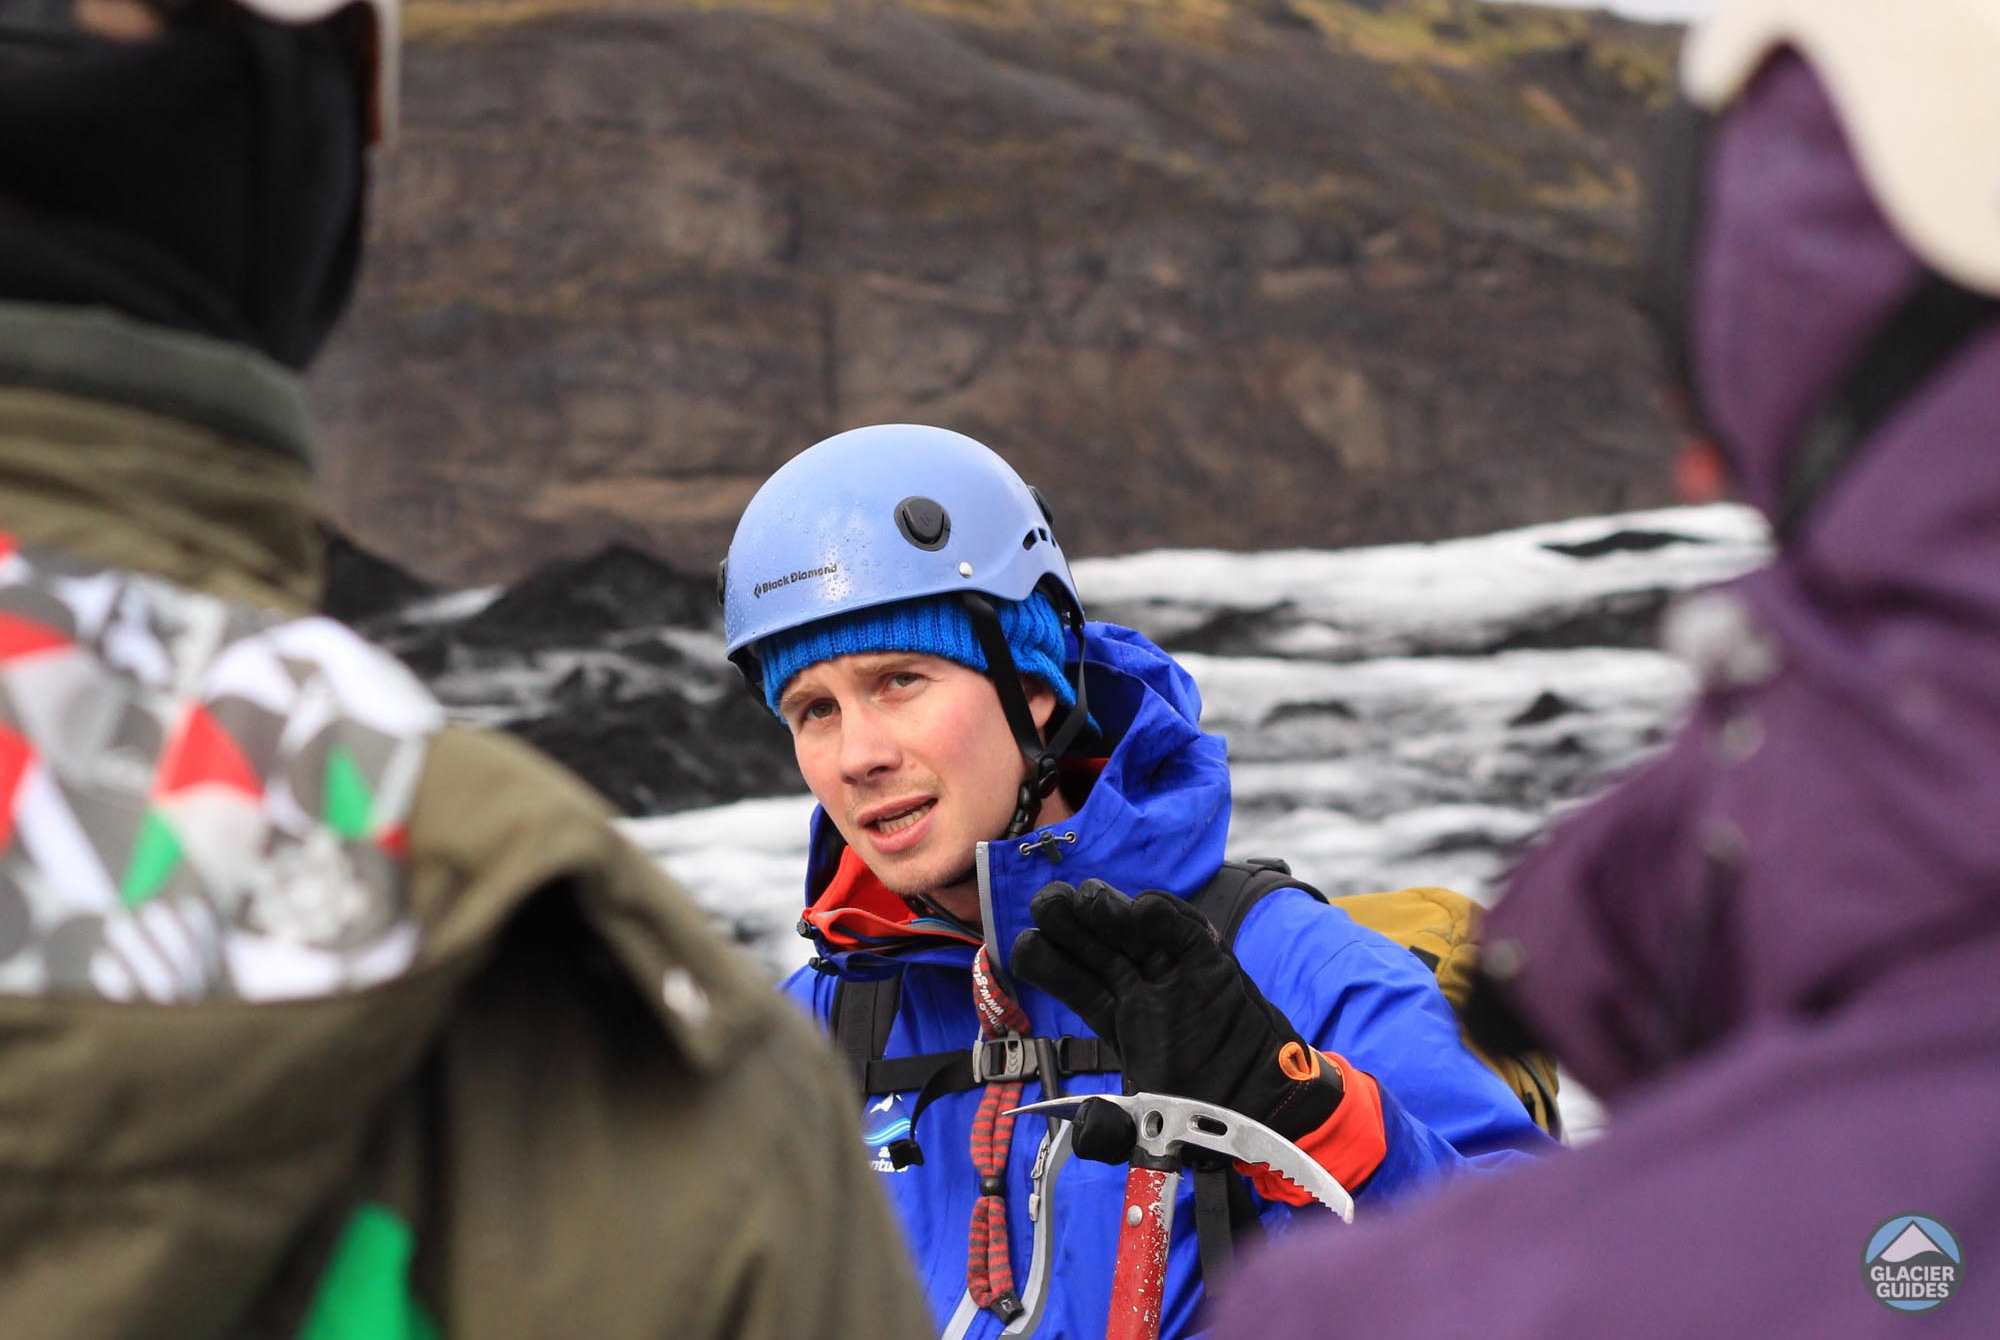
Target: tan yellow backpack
(1438,926)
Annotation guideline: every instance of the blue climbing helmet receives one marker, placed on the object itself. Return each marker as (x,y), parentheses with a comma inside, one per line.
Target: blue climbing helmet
(898,512)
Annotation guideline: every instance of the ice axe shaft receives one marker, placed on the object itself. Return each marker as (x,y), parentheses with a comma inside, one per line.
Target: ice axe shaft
(1169,1130)
(1139,1275)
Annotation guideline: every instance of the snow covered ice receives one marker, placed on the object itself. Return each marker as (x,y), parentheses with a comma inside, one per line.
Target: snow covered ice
(1396,715)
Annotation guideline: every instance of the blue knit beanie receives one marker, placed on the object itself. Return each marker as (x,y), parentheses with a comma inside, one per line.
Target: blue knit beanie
(933,625)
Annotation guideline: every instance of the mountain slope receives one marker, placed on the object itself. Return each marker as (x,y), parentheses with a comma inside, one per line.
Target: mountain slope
(1232,273)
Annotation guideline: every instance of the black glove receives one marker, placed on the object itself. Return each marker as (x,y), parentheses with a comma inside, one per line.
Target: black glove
(1150,975)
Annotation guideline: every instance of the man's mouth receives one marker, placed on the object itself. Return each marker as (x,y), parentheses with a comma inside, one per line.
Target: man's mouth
(897,820)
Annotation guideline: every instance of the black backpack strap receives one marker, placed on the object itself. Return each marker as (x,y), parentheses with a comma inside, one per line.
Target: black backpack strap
(863,1013)
(1214,1236)
(1225,1213)
(953,1071)
(1550,1117)
(1238,886)
(896,1074)
(1222,1209)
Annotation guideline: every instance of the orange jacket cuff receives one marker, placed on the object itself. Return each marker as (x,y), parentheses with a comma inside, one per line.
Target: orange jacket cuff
(1351,1143)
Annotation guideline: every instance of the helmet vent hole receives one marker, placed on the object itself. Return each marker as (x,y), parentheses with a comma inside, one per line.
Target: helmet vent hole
(923,522)
(1028,540)
(1044,533)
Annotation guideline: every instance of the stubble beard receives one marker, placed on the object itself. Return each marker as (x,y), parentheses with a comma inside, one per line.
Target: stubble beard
(957,896)
(960,896)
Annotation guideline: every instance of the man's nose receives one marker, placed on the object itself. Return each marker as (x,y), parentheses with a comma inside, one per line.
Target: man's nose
(868,745)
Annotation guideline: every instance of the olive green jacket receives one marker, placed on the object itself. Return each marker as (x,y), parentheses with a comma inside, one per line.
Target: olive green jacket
(574,1113)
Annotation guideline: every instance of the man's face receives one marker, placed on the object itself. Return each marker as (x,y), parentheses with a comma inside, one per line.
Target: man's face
(911,757)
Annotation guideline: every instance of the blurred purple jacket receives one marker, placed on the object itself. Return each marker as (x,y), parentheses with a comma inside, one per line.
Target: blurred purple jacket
(1775,952)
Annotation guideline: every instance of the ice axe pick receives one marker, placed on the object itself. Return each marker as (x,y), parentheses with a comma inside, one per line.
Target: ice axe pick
(1170,1130)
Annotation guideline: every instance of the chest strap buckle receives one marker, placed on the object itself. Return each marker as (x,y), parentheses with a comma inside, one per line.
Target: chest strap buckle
(1000,1059)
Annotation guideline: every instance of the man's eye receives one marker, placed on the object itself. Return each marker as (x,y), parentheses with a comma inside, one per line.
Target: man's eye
(903,679)
(819,709)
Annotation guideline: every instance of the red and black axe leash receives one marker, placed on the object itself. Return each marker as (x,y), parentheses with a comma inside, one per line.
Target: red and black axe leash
(989,1270)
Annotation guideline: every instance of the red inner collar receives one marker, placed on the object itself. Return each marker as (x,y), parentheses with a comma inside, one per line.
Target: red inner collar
(856,907)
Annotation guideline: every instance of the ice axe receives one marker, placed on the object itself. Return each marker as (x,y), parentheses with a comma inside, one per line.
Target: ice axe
(1170,1129)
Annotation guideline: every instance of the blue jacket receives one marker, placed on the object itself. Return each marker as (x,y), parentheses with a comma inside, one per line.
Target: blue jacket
(1156,818)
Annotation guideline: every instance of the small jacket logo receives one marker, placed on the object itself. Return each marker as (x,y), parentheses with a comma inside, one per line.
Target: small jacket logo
(1912,1263)
(882,1124)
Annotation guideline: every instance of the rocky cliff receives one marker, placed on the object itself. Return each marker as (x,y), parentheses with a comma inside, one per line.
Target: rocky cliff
(1212,272)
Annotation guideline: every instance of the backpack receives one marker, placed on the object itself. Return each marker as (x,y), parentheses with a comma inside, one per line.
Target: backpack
(1442,929)
(1438,926)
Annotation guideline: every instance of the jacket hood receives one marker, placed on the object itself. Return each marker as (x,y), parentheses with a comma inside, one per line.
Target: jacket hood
(1160,803)
(158,451)
(1825,819)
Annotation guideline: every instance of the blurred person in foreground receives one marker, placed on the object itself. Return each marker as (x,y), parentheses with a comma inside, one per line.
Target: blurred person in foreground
(993,773)
(318,1017)
(1773,950)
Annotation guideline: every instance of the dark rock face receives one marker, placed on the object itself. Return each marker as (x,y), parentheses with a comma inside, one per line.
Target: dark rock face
(611,664)
(579,602)
(359,585)
(1275,272)
(664,751)
(1622,542)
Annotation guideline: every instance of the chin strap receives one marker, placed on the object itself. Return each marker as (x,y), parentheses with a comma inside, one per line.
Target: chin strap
(1000,668)
(925,906)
